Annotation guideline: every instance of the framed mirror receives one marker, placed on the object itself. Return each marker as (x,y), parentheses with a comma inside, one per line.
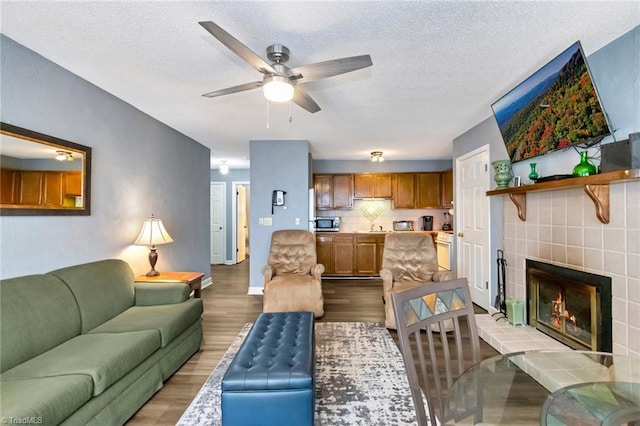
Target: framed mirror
(43,175)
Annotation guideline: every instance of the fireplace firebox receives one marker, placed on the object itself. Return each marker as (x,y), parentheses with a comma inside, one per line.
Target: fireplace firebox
(571,306)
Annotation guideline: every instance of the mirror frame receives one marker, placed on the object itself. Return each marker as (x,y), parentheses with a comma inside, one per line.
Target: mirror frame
(30,135)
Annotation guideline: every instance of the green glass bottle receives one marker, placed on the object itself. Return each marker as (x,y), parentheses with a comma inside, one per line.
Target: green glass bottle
(534,174)
(585,167)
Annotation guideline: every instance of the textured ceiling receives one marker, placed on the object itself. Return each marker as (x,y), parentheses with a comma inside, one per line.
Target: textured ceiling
(437,66)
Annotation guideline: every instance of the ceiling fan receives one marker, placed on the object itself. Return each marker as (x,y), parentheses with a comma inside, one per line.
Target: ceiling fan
(280,83)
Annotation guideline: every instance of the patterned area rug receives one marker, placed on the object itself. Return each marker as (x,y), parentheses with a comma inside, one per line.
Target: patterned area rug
(360,376)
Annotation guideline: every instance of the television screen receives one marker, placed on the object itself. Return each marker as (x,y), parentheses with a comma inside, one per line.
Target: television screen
(555,108)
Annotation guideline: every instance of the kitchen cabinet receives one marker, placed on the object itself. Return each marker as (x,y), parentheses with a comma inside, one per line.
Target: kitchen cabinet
(324,252)
(404,191)
(343,255)
(446,191)
(416,190)
(52,189)
(8,186)
(369,250)
(372,185)
(350,255)
(72,184)
(30,187)
(333,191)
(428,190)
(335,252)
(40,188)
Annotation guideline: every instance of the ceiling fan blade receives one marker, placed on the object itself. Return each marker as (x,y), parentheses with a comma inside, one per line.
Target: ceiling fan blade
(320,70)
(237,47)
(234,89)
(303,100)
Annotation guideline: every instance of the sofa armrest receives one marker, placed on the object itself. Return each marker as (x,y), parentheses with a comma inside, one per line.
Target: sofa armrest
(148,294)
(439,276)
(317,270)
(268,272)
(387,281)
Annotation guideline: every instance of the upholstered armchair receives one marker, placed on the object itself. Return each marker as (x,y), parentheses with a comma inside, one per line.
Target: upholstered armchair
(292,276)
(409,259)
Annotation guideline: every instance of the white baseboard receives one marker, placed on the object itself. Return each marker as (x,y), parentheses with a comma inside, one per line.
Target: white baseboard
(207,282)
(229,262)
(257,291)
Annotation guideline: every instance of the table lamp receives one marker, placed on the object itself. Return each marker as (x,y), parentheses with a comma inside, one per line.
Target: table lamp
(153,234)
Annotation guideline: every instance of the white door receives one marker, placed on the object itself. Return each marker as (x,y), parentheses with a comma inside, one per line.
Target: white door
(218,241)
(472,213)
(243,230)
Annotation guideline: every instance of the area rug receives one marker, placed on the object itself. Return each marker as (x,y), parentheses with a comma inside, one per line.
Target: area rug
(360,379)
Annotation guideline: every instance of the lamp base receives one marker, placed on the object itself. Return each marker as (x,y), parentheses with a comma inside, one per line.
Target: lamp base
(153,258)
(153,273)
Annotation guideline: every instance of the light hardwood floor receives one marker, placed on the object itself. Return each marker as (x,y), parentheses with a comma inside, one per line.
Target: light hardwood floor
(227,307)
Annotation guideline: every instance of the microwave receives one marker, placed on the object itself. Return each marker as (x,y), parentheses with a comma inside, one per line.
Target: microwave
(328,224)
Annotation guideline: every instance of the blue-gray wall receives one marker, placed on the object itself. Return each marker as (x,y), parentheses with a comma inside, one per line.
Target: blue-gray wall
(615,69)
(140,166)
(281,165)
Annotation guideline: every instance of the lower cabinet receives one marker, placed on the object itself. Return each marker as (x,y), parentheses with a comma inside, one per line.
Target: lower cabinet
(350,255)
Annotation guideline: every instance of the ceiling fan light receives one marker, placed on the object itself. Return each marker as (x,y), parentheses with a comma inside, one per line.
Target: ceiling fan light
(277,88)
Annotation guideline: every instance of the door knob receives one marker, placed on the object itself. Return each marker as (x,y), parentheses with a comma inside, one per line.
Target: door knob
(460,234)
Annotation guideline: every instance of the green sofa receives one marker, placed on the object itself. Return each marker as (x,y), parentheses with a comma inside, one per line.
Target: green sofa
(87,345)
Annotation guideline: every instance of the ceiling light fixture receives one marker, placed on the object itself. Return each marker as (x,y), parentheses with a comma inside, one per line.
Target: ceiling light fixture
(376,157)
(64,156)
(277,88)
(224,167)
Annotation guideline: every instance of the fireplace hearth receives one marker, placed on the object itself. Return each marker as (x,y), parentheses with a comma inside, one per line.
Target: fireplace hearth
(571,306)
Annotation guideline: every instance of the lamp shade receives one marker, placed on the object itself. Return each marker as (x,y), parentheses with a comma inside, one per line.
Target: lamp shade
(277,88)
(153,233)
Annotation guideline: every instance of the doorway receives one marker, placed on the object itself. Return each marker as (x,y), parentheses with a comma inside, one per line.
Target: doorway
(240,225)
(218,193)
(473,223)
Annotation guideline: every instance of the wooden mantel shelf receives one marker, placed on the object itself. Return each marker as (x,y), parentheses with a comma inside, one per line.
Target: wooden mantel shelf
(596,187)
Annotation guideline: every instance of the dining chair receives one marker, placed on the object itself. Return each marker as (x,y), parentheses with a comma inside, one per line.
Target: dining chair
(435,353)
(409,259)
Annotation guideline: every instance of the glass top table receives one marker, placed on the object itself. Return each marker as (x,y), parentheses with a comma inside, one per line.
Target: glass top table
(549,388)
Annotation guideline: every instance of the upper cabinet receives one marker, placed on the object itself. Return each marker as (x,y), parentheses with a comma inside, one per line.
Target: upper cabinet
(428,190)
(372,185)
(414,190)
(404,190)
(333,192)
(446,191)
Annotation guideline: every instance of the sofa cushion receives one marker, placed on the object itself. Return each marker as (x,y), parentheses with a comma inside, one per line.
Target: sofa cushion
(105,357)
(169,320)
(37,313)
(46,400)
(103,289)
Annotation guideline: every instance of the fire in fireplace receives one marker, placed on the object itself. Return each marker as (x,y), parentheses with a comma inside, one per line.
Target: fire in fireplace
(568,305)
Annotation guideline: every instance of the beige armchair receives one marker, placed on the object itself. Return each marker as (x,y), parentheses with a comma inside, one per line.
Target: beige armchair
(292,276)
(409,259)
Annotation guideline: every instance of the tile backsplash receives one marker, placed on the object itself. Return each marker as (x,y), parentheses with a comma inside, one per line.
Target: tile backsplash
(358,218)
(562,229)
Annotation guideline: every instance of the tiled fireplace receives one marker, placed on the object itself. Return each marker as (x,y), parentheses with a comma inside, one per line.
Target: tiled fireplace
(562,229)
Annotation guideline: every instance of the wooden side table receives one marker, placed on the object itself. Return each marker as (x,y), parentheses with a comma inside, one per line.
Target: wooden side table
(192,279)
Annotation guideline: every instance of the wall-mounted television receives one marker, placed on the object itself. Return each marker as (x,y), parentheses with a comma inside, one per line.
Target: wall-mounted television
(555,108)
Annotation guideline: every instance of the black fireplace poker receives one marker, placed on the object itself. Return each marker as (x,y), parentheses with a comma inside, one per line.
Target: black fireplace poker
(501,298)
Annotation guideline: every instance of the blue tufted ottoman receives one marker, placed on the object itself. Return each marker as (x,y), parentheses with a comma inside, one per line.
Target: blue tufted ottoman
(271,379)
